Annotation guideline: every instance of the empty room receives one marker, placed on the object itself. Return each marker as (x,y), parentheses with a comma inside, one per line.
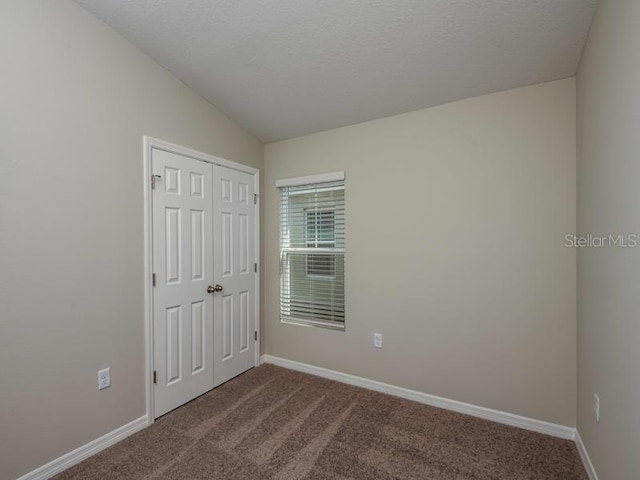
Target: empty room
(319,239)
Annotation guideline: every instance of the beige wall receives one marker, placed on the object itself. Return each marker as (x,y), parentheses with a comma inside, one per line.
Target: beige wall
(456,217)
(76,99)
(609,202)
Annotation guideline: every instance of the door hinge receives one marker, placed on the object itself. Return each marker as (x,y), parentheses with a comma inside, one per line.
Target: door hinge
(153,180)
(155,377)
(255,198)
(153,279)
(255,267)
(255,335)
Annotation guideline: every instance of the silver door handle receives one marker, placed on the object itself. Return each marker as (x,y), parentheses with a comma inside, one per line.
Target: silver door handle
(212,289)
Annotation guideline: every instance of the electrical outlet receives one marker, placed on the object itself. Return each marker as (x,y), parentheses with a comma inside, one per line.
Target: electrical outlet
(596,407)
(104,378)
(377,340)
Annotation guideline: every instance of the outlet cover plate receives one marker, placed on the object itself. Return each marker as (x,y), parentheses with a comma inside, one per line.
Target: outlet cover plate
(104,378)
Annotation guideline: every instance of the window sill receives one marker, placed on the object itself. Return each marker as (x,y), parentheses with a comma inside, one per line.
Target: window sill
(314,323)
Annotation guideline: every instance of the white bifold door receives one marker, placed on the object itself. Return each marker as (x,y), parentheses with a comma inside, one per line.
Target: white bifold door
(204,277)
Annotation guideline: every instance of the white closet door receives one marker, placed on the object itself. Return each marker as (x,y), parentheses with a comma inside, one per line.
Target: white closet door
(183,267)
(234,258)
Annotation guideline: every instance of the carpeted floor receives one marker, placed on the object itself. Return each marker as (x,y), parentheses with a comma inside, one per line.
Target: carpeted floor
(273,423)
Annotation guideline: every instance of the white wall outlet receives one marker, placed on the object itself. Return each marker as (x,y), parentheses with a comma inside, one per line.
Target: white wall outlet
(104,378)
(377,340)
(596,407)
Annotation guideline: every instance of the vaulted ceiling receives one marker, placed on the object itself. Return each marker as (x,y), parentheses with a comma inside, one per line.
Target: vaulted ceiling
(284,68)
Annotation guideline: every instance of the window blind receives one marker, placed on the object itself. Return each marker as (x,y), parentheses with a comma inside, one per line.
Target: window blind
(312,239)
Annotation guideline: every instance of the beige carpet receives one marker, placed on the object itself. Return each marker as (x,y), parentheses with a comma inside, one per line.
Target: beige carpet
(272,423)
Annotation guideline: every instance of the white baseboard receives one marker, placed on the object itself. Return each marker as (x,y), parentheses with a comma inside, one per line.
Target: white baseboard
(76,456)
(585,458)
(505,418)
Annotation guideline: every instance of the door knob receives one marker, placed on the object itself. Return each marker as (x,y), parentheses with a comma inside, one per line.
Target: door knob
(217,288)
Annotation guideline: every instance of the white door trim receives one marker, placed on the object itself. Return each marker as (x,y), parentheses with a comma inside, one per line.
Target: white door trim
(150,143)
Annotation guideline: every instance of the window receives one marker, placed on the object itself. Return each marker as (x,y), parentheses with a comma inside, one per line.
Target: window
(321,233)
(312,238)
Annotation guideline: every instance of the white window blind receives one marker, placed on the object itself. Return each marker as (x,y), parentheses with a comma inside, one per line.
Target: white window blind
(312,235)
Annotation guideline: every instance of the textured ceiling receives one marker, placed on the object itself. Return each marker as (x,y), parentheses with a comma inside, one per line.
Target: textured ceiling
(283,68)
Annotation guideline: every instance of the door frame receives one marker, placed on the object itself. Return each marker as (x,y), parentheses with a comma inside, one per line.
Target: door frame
(150,143)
